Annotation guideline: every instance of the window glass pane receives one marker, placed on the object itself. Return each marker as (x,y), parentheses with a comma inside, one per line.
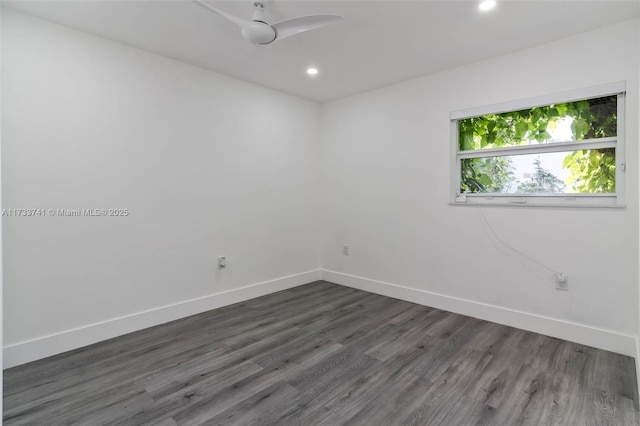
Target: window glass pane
(588,171)
(571,121)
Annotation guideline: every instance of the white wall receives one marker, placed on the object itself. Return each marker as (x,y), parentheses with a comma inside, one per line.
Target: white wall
(386,191)
(209,165)
(638,337)
(1,246)
(206,164)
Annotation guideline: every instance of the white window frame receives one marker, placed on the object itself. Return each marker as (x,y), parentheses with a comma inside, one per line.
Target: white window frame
(616,199)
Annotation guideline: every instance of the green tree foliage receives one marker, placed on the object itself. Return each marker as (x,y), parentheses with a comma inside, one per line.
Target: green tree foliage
(543,181)
(487,174)
(592,171)
(506,129)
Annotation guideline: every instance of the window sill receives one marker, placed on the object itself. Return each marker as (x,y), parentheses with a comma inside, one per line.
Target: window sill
(554,205)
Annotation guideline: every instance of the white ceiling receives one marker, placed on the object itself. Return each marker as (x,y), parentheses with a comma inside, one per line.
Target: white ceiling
(379,43)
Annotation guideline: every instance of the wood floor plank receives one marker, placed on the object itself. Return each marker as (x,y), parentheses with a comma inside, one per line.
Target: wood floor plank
(323,354)
(405,391)
(449,387)
(492,384)
(223,398)
(492,337)
(350,399)
(524,399)
(264,408)
(188,395)
(467,412)
(170,384)
(413,313)
(445,348)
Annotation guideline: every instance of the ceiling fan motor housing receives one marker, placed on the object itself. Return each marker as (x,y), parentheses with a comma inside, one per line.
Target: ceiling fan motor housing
(259,33)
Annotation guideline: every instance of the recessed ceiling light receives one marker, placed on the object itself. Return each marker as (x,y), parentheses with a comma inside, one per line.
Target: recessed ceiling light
(487,5)
(312,71)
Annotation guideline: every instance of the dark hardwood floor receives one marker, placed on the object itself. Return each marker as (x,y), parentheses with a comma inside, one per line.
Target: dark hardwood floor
(326,354)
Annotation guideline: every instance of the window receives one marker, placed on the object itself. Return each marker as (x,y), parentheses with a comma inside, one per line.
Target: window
(565,149)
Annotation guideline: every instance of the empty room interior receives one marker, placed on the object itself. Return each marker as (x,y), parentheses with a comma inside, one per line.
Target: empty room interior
(320,212)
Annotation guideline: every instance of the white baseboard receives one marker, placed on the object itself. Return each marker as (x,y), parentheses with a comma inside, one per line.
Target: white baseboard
(41,347)
(638,364)
(580,333)
(31,350)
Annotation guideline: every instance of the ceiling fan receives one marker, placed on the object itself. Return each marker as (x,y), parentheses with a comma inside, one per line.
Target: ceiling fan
(257,31)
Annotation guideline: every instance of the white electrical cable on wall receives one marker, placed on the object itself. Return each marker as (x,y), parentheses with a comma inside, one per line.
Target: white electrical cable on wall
(484,218)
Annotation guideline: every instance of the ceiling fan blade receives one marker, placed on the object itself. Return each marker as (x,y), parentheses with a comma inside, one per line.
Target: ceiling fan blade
(304,23)
(242,23)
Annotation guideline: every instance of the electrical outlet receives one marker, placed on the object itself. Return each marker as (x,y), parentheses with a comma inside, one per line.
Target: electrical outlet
(222,262)
(345,250)
(562,281)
